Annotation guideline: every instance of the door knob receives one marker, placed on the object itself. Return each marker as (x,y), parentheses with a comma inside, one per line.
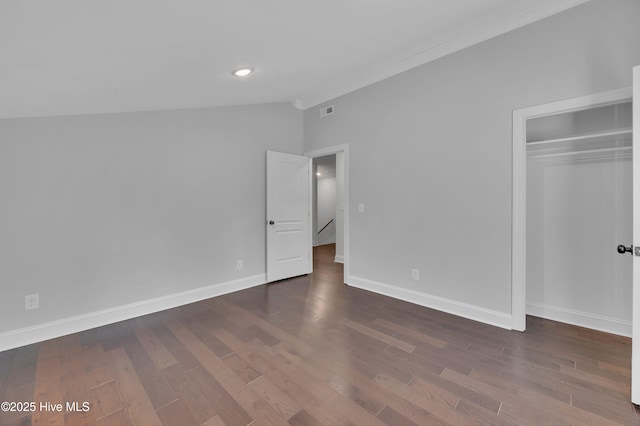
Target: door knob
(623,249)
(271,222)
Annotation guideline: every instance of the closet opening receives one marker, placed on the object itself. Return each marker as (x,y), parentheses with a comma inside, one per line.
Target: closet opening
(575,208)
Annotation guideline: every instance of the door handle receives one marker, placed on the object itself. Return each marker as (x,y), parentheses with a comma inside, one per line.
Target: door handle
(271,222)
(623,249)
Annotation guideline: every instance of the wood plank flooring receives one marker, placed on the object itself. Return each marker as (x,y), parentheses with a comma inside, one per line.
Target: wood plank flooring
(312,351)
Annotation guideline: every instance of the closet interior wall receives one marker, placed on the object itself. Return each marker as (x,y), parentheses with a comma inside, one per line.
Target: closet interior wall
(579,195)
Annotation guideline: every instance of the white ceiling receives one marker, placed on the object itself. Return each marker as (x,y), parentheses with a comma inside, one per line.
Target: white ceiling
(94,56)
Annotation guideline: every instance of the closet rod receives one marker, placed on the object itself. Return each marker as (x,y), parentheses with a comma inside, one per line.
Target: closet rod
(586,151)
(625,131)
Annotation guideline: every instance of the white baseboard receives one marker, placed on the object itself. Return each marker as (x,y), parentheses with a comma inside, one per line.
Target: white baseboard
(339,259)
(582,319)
(464,310)
(38,333)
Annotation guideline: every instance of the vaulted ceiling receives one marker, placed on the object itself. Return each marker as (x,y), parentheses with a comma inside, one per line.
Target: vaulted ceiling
(96,56)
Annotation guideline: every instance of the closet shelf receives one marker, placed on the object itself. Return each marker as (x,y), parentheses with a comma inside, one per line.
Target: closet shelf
(627,131)
(618,149)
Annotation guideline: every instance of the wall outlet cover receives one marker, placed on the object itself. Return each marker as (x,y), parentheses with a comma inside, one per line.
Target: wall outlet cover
(415,274)
(31,302)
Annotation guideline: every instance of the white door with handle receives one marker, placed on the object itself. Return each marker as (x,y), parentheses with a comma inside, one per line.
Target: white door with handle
(635,334)
(288,221)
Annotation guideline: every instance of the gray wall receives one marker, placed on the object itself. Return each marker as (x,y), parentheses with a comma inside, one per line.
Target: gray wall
(430,149)
(100,211)
(326,211)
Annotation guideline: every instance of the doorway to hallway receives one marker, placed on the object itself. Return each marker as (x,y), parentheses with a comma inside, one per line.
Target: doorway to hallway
(341,210)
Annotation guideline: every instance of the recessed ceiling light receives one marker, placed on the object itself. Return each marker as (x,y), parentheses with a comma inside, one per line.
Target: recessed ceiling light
(243,72)
(318,174)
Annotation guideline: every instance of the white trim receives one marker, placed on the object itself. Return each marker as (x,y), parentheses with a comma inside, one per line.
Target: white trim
(519,224)
(635,339)
(344,148)
(339,259)
(583,319)
(450,42)
(472,312)
(38,333)
(519,187)
(309,213)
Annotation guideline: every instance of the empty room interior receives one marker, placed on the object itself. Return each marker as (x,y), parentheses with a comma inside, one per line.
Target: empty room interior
(319,213)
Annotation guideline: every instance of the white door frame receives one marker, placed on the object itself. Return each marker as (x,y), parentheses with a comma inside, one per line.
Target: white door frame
(519,185)
(635,321)
(329,151)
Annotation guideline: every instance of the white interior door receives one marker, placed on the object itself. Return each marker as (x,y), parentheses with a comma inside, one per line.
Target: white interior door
(635,355)
(288,216)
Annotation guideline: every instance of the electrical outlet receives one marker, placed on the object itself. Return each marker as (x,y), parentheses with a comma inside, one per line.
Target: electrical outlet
(361,208)
(239,264)
(31,301)
(415,274)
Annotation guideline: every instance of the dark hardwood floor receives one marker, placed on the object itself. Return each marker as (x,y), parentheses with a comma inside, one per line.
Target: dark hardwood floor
(312,351)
